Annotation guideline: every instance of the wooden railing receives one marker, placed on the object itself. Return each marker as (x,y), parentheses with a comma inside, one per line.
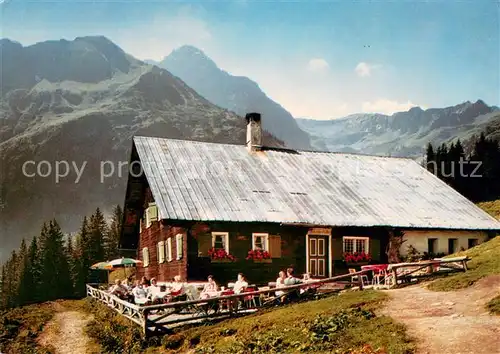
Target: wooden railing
(144,316)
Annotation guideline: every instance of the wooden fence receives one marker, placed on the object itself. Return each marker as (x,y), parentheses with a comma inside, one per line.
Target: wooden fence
(157,319)
(154,319)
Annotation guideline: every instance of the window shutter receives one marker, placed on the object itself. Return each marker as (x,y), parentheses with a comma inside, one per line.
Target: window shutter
(148,222)
(169,249)
(153,209)
(374,249)
(145,256)
(178,246)
(204,244)
(337,248)
(275,246)
(161,252)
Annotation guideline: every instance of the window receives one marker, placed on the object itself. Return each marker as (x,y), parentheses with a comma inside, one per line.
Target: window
(145,257)
(452,245)
(161,251)
(432,245)
(260,242)
(178,245)
(220,240)
(168,249)
(356,244)
(151,214)
(473,242)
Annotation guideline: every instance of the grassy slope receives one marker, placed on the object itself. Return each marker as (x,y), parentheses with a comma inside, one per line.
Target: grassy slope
(289,329)
(492,208)
(20,327)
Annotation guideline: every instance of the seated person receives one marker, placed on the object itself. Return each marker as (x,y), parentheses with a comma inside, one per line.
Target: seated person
(292,280)
(140,294)
(126,284)
(118,289)
(280,282)
(241,284)
(154,291)
(309,289)
(210,289)
(177,288)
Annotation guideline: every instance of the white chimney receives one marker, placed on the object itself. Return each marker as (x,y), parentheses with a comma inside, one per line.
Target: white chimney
(254,131)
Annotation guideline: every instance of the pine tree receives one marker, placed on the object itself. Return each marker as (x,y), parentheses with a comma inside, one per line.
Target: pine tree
(430,158)
(23,268)
(82,261)
(113,239)
(55,277)
(98,234)
(3,288)
(10,285)
(71,257)
(29,289)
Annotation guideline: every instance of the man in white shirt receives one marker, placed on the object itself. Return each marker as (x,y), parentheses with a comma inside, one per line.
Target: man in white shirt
(241,284)
(140,294)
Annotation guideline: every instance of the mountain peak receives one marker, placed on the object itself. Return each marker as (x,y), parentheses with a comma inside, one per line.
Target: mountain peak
(192,56)
(191,50)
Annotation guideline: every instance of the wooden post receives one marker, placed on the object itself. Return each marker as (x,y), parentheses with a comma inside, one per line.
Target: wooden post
(395,276)
(145,330)
(360,281)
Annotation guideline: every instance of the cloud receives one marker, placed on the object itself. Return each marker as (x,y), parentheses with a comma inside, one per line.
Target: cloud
(317,65)
(386,106)
(364,69)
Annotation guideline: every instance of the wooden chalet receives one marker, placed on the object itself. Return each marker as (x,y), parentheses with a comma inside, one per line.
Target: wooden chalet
(305,208)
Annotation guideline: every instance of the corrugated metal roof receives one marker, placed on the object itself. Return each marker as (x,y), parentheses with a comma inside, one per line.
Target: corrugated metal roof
(206,181)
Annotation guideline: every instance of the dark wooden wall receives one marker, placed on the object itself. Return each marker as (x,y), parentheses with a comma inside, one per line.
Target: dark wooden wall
(194,266)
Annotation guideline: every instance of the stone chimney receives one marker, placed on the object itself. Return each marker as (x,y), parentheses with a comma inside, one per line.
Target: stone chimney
(254,131)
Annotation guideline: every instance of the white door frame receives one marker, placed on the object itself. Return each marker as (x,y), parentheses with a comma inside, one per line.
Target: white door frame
(329,249)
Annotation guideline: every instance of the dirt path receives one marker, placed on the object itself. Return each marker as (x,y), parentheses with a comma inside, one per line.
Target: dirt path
(66,333)
(453,322)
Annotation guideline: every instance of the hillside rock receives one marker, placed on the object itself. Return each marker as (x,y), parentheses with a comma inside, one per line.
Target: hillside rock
(80,102)
(236,93)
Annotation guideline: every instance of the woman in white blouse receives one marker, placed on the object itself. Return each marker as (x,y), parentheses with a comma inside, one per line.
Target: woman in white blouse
(280,282)
(210,289)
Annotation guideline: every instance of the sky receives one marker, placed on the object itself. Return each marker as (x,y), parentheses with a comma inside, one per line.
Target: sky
(318,59)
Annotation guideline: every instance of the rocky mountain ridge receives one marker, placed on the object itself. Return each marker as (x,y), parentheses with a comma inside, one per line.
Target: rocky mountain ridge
(403,133)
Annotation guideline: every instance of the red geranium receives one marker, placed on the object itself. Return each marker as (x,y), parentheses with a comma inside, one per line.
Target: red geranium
(220,254)
(356,257)
(258,254)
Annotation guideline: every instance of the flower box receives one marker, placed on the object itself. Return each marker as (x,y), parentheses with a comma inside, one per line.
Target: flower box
(258,255)
(221,256)
(357,258)
(262,260)
(221,261)
(356,264)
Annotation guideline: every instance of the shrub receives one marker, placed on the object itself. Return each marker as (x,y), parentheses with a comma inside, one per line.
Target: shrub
(115,333)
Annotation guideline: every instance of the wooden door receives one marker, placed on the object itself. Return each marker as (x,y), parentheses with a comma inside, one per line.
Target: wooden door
(318,256)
